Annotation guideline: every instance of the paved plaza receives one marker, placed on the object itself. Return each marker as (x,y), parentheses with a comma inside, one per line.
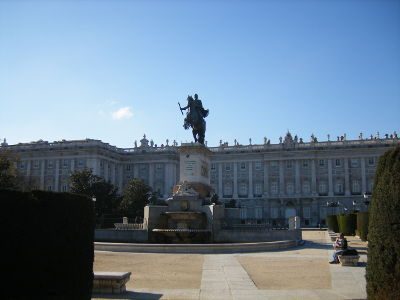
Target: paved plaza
(297,273)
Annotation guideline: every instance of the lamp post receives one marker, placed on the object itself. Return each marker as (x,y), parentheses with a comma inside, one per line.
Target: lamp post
(366,199)
(94,208)
(355,209)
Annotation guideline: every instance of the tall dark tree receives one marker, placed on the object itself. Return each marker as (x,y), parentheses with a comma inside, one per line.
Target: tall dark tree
(9,176)
(86,183)
(82,182)
(383,269)
(135,198)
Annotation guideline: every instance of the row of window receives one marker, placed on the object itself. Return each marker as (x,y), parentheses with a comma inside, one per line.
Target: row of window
(64,188)
(50,164)
(354,163)
(256,212)
(66,163)
(158,167)
(290,188)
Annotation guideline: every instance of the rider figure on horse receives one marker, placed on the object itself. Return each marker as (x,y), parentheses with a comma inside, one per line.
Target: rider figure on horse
(195,117)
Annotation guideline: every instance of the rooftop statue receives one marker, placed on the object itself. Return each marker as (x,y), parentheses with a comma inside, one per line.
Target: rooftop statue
(195,118)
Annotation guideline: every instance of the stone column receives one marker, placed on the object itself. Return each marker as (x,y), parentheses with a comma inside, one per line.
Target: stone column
(282,209)
(42,169)
(72,165)
(167,179)
(346,177)
(220,191)
(28,168)
(106,165)
(266,179)
(313,178)
(281,178)
(120,178)
(113,179)
(251,194)
(97,168)
(170,178)
(330,178)
(235,187)
(57,177)
(135,170)
(363,176)
(151,175)
(175,174)
(297,177)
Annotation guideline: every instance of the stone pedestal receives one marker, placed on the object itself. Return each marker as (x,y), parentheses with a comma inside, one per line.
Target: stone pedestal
(195,168)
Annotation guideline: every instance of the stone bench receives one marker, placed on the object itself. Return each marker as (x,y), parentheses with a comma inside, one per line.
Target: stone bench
(349,260)
(110,282)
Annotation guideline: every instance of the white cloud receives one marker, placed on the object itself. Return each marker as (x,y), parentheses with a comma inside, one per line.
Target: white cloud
(122,113)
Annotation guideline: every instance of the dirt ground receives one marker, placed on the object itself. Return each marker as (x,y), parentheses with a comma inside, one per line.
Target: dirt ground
(287,272)
(295,268)
(156,271)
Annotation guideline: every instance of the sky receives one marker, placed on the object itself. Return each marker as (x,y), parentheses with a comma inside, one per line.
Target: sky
(116,70)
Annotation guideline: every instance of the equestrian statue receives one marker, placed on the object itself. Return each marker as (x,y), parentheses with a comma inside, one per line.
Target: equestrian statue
(195,118)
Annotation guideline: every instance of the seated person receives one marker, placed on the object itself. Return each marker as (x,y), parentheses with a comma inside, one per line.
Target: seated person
(339,246)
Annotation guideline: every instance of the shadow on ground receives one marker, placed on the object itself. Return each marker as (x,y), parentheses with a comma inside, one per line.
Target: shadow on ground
(129,295)
(315,245)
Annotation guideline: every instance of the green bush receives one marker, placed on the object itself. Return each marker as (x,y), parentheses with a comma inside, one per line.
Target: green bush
(362,225)
(332,223)
(49,251)
(383,268)
(347,223)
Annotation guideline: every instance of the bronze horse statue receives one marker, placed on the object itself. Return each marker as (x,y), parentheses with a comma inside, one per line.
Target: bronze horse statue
(195,118)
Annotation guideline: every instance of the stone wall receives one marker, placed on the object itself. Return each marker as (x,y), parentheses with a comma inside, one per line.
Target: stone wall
(121,236)
(248,236)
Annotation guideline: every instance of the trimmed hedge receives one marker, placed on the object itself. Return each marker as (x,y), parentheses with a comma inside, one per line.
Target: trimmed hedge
(383,268)
(347,223)
(48,248)
(332,223)
(362,225)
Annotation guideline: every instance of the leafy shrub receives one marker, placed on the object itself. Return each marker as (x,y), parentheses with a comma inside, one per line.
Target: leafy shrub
(362,225)
(347,223)
(383,269)
(332,223)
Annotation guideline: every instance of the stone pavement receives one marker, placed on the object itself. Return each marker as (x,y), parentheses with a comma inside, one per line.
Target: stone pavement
(297,273)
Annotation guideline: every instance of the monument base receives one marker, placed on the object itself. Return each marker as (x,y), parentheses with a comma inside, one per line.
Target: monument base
(204,190)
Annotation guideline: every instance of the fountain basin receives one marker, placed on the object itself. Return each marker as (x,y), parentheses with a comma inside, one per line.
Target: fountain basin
(182,235)
(184,215)
(180,230)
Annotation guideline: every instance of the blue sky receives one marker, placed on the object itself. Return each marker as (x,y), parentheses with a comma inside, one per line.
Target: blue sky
(114,70)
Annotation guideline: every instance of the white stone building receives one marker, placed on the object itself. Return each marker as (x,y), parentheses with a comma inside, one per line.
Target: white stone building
(269,182)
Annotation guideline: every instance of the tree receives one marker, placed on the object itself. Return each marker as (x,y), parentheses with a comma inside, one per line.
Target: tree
(86,183)
(82,182)
(135,198)
(9,176)
(383,269)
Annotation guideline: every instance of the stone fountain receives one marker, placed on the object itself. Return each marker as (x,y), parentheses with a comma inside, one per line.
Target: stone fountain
(188,217)
(184,221)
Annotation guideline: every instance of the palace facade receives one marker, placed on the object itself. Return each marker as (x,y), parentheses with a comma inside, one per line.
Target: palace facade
(269,182)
